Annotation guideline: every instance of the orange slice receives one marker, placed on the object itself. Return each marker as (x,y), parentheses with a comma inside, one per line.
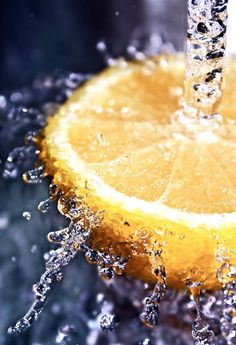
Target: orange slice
(163,181)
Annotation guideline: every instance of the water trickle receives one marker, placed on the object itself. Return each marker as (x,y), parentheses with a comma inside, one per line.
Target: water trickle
(207,24)
(201,332)
(73,238)
(150,315)
(227,277)
(58,259)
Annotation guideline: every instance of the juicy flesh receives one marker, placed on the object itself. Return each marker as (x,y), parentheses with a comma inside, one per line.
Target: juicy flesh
(128,135)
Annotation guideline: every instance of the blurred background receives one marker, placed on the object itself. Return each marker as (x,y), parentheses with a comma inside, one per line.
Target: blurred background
(39,36)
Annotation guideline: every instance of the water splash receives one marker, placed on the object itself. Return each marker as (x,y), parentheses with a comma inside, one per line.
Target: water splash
(58,259)
(227,277)
(16,158)
(73,238)
(150,315)
(201,332)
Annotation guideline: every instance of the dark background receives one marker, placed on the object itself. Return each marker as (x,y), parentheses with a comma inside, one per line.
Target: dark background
(39,36)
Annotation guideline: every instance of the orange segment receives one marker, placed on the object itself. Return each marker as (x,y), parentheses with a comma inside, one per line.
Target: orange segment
(128,172)
(161,180)
(100,143)
(197,174)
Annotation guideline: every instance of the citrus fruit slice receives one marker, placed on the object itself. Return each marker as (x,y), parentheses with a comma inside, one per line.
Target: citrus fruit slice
(163,181)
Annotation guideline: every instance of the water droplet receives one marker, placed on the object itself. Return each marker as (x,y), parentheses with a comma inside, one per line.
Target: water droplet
(44,205)
(59,236)
(92,256)
(3,102)
(46,256)
(59,276)
(35,176)
(65,335)
(108,322)
(34,248)
(27,215)
(103,49)
(146,341)
(54,190)
(101,46)
(30,137)
(105,273)
(4,221)
(16,97)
